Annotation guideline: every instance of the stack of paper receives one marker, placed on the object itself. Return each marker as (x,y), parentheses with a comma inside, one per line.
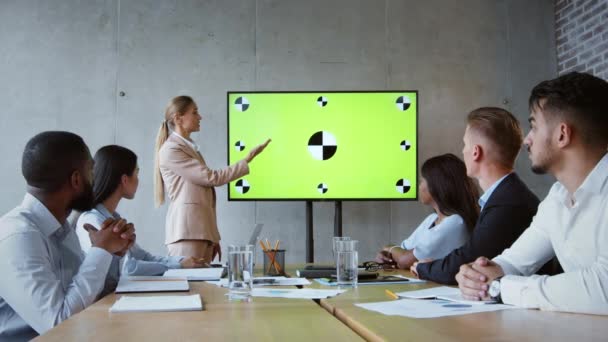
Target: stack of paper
(151,284)
(295,293)
(196,274)
(157,304)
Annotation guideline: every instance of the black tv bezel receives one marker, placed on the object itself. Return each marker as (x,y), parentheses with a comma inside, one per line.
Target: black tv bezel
(305,199)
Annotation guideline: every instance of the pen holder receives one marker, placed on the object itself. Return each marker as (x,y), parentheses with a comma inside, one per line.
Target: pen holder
(274,262)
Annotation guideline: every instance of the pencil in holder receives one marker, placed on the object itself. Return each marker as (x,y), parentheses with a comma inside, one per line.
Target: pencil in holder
(274,262)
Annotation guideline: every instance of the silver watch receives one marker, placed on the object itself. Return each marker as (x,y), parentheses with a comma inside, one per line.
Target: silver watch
(494,290)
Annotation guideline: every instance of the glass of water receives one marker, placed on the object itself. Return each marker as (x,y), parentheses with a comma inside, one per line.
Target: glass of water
(347,261)
(240,272)
(335,240)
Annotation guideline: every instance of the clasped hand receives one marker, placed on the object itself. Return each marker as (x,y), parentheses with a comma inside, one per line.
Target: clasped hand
(115,236)
(474,278)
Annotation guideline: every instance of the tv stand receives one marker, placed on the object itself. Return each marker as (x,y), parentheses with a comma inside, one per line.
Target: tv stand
(310,244)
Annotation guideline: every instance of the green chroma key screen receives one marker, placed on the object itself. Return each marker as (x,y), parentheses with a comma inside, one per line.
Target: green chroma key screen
(325,145)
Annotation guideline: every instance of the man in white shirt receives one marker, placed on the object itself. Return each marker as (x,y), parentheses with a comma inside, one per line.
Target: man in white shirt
(46,277)
(568,139)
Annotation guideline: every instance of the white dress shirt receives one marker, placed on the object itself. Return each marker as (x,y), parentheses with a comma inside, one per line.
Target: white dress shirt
(575,229)
(431,241)
(46,277)
(136,262)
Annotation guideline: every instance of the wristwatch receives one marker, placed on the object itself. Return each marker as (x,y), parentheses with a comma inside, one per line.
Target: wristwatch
(390,251)
(494,290)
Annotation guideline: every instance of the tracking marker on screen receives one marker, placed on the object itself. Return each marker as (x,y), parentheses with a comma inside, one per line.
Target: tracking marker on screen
(239,146)
(322,188)
(403,186)
(322,101)
(405,145)
(242,186)
(322,145)
(403,102)
(241,103)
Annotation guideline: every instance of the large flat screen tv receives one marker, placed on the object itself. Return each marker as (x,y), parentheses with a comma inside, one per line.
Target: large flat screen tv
(332,145)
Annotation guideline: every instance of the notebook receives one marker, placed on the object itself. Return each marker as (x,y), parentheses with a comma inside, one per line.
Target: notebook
(380,280)
(329,273)
(451,294)
(151,284)
(196,274)
(157,304)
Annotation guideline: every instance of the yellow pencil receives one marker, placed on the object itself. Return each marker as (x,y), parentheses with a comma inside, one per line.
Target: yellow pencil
(277,266)
(263,247)
(391,294)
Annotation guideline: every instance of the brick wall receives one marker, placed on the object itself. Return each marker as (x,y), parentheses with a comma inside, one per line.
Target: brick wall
(581,28)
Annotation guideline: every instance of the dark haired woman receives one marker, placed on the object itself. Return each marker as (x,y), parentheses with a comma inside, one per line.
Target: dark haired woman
(116,176)
(453,196)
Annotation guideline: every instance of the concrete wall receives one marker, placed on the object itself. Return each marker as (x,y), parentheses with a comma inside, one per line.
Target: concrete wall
(63,64)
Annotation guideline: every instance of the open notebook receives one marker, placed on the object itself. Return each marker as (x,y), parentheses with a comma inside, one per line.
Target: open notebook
(157,304)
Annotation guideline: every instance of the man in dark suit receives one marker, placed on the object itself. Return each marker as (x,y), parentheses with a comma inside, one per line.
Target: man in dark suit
(492,140)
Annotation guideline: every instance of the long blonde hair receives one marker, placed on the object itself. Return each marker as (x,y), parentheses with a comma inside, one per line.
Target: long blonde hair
(177,106)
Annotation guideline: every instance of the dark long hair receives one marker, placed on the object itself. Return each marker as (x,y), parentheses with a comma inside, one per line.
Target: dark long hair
(111,162)
(451,188)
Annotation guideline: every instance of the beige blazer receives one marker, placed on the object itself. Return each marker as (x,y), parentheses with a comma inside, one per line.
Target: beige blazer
(189,184)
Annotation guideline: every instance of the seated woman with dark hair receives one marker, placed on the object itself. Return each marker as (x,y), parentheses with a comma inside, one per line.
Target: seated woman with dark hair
(445,187)
(116,177)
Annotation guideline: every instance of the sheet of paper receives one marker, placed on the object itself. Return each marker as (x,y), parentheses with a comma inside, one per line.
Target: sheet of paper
(295,293)
(279,281)
(196,274)
(430,293)
(157,304)
(151,284)
(429,308)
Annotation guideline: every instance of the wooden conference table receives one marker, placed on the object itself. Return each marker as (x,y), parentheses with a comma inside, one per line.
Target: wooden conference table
(504,325)
(335,319)
(263,319)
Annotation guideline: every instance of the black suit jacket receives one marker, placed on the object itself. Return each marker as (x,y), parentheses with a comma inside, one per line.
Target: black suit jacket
(506,214)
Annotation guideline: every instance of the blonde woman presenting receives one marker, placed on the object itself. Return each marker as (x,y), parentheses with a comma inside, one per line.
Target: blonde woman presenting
(181,171)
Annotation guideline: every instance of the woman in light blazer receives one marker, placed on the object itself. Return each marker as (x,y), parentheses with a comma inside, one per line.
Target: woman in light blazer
(181,171)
